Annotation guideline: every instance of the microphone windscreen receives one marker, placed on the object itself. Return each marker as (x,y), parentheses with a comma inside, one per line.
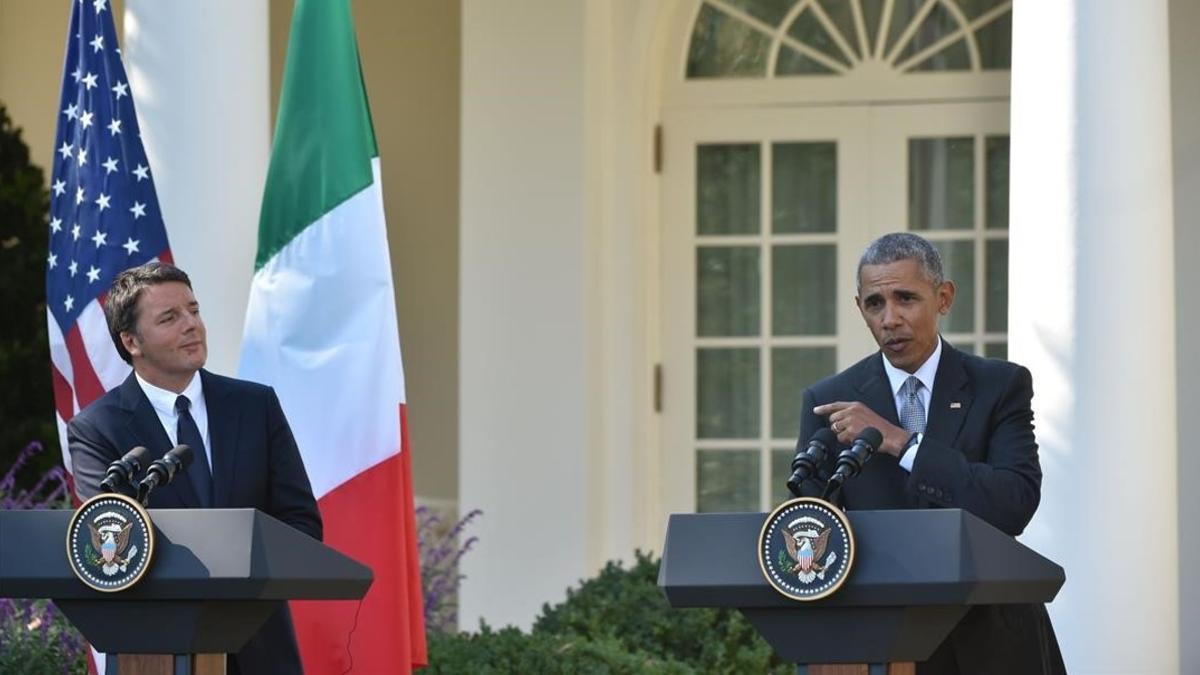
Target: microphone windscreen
(137,454)
(871,436)
(826,437)
(182,453)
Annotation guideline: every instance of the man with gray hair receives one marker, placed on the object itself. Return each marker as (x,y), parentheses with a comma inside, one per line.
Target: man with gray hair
(957,433)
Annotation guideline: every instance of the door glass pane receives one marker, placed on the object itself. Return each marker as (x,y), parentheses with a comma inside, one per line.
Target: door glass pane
(996,149)
(727,298)
(723,46)
(903,12)
(997,286)
(938,24)
(958,264)
(727,480)
(804,289)
(727,393)
(941,183)
(809,30)
(781,471)
(792,62)
(996,350)
(727,188)
(974,8)
(842,16)
(767,11)
(803,187)
(872,12)
(995,43)
(792,370)
(954,57)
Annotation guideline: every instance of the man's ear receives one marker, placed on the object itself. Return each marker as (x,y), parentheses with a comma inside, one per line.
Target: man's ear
(131,343)
(945,296)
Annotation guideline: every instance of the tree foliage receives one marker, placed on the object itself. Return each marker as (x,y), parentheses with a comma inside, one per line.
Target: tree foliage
(26,396)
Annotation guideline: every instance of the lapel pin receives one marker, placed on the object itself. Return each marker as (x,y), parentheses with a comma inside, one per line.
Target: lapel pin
(955,405)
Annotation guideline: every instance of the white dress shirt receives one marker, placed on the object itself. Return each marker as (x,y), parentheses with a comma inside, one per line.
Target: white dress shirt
(926,374)
(163,402)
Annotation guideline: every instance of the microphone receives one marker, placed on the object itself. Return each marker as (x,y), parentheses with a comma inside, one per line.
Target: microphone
(852,459)
(163,469)
(122,471)
(810,458)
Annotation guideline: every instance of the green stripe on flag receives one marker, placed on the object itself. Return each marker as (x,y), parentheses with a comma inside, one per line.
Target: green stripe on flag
(324,141)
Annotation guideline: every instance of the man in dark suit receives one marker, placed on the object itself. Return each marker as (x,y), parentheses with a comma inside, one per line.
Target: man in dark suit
(957,433)
(244,455)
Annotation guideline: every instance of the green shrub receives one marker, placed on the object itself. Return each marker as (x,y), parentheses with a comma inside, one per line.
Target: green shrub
(627,605)
(617,622)
(510,650)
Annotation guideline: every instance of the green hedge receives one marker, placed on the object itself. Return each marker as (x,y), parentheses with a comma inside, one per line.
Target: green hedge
(509,650)
(617,622)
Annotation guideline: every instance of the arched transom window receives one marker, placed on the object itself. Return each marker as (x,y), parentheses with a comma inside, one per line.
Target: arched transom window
(789,38)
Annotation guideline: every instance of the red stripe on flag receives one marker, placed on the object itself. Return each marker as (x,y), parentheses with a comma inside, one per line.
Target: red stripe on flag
(87,385)
(415,596)
(166,257)
(64,398)
(370,518)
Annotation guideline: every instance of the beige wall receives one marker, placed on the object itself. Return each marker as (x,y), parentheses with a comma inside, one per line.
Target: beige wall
(33,37)
(410,55)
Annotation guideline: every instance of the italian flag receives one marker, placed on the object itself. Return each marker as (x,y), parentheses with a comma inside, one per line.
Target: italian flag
(321,329)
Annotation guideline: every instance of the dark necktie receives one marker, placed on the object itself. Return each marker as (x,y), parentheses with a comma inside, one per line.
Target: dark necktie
(188,434)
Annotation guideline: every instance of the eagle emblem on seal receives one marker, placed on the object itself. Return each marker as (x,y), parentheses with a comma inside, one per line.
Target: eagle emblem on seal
(111,541)
(806,540)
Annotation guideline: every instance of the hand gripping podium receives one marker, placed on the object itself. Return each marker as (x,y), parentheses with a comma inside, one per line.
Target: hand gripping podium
(915,575)
(217,575)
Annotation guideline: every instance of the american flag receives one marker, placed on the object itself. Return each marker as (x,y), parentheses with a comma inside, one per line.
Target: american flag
(104,214)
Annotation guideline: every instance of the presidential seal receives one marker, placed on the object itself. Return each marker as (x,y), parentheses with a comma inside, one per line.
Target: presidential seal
(110,542)
(806,548)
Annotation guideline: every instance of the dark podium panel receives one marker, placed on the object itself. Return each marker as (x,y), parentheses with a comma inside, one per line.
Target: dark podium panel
(217,575)
(915,575)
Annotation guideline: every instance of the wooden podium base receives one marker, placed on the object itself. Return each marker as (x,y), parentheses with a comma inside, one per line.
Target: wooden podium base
(905,668)
(167,664)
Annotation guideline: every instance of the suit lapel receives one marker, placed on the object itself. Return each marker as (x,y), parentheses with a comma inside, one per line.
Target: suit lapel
(223,420)
(145,426)
(876,391)
(951,397)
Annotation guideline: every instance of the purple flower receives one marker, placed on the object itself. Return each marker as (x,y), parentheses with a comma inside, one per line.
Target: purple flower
(34,634)
(52,489)
(441,550)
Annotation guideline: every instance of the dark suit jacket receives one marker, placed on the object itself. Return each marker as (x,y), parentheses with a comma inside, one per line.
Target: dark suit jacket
(978,454)
(255,464)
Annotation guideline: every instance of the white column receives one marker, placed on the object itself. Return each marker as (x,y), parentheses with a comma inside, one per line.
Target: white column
(523,388)
(1092,314)
(199,76)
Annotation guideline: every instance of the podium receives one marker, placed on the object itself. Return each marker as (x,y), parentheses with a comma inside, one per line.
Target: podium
(916,574)
(217,575)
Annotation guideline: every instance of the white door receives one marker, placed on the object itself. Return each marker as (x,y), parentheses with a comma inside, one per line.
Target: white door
(765,212)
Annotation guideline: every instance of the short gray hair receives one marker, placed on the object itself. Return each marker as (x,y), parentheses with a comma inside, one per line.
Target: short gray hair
(897,246)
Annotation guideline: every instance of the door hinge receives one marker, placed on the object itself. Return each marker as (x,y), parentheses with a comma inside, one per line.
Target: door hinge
(658,148)
(658,388)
